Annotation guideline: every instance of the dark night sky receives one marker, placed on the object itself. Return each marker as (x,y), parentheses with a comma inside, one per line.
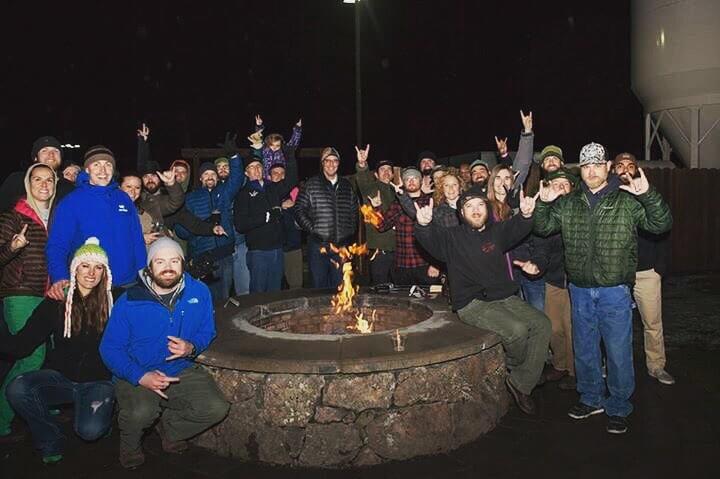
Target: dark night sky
(440,75)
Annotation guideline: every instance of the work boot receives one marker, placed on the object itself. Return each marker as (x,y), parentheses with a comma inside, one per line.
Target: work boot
(662,376)
(551,374)
(130,459)
(523,401)
(173,447)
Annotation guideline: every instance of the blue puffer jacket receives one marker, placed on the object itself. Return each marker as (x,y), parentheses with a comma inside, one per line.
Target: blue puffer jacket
(135,338)
(105,212)
(202,202)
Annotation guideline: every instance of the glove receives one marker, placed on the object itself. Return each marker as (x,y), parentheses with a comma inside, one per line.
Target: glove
(273,215)
(256,140)
(229,145)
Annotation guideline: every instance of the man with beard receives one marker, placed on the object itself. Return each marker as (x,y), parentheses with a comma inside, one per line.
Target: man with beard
(222,165)
(411,264)
(551,159)
(479,174)
(482,293)
(647,290)
(598,222)
(426,164)
(45,150)
(155,330)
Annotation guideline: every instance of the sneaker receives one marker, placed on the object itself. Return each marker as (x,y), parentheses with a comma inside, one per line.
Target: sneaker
(131,459)
(568,383)
(662,376)
(523,401)
(583,411)
(617,425)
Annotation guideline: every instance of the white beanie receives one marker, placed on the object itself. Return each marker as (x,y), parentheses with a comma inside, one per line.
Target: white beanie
(163,243)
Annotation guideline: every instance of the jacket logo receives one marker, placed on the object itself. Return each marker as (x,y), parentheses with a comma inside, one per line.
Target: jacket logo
(122,208)
(193,301)
(253,194)
(488,247)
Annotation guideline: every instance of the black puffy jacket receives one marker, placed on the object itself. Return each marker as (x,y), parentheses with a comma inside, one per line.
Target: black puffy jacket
(327,212)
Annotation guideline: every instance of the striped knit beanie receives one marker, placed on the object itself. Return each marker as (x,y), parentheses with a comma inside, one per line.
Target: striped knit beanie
(90,251)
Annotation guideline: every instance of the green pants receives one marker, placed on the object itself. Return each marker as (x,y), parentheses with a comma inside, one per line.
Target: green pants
(17,310)
(525,334)
(194,404)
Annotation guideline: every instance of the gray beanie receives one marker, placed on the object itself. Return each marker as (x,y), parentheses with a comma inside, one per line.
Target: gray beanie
(163,243)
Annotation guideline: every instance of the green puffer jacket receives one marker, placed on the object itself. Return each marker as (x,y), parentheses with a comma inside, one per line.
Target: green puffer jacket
(601,244)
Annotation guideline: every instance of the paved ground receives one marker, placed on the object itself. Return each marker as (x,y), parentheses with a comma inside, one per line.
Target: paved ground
(675,431)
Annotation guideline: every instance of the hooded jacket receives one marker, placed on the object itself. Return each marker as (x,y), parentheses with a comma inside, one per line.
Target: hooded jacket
(135,338)
(24,272)
(105,212)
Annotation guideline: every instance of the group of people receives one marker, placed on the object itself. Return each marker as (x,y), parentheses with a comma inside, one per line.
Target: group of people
(108,280)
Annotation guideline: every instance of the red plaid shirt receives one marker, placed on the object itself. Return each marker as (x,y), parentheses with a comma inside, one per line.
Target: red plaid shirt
(408,253)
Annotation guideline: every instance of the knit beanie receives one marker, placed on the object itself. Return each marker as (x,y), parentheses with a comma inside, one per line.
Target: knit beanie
(41,143)
(563,173)
(329,151)
(149,168)
(221,160)
(551,150)
(480,162)
(207,166)
(97,153)
(425,154)
(409,172)
(592,153)
(90,251)
(161,244)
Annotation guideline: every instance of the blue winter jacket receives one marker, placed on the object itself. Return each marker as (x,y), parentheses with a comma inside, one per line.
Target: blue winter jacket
(105,212)
(202,202)
(135,339)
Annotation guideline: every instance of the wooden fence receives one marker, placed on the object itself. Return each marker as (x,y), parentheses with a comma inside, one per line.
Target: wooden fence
(695,237)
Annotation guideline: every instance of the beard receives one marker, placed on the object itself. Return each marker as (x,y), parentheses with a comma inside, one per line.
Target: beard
(166,282)
(152,187)
(476,221)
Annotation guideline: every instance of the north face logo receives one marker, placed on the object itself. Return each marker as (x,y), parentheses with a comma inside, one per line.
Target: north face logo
(122,209)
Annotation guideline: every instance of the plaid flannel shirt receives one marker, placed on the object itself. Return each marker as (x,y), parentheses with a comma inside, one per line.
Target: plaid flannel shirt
(408,253)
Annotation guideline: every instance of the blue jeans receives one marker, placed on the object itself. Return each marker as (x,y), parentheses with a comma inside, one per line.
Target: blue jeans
(324,273)
(603,313)
(533,291)
(266,269)
(241,273)
(223,276)
(31,395)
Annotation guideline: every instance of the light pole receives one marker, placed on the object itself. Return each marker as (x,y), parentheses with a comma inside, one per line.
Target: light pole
(358,82)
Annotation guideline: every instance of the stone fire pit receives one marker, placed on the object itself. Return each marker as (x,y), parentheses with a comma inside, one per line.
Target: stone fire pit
(305,393)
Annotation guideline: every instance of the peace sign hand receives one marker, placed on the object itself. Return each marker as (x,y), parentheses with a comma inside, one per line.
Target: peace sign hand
(501,145)
(636,186)
(527,121)
(144,132)
(258,120)
(18,240)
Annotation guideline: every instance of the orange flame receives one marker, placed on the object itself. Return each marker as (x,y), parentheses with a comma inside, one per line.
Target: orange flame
(371,216)
(362,325)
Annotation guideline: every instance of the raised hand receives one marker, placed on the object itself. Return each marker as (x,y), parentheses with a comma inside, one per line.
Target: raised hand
(258,121)
(528,267)
(156,381)
(144,132)
(501,145)
(424,215)
(167,177)
(376,200)
(19,241)
(527,204)
(362,155)
(256,140)
(179,348)
(636,186)
(527,121)
(299,123)
(547,194)
(427,186)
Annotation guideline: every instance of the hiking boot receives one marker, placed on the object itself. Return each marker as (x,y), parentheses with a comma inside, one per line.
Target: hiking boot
(131,459)
(551,374)
(583,411)
(173,447)
(662,376)
(617,425)
(568,383)
(523,401)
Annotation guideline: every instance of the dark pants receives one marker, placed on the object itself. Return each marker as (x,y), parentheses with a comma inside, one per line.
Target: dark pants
(381,267)
(31,395)
(194,404)
(324,273)
(410,276)
(266,269)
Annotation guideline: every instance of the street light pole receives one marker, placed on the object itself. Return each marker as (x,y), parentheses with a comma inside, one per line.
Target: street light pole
(358,82)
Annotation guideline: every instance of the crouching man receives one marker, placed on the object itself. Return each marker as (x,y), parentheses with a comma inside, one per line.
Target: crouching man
(154,332)
(482,293)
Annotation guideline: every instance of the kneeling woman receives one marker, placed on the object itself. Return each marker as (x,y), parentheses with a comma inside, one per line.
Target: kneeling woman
(73,372)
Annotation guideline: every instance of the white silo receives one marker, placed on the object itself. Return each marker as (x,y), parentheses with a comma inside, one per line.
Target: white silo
(676,76)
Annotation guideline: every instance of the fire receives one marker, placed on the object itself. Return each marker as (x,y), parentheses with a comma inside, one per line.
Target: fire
(371,216)
(343,301)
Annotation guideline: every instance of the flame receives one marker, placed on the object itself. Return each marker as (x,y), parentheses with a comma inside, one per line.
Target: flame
(371,216)
(342,302)
(362,325)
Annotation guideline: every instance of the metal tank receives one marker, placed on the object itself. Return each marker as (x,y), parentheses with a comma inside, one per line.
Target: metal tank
(676,75)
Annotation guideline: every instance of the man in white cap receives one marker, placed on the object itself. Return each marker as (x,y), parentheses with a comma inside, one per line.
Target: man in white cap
(599,223)
(154,331)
